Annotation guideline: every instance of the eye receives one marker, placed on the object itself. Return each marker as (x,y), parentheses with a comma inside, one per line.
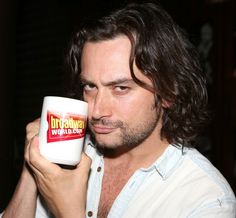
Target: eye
(121,89)
(89,87)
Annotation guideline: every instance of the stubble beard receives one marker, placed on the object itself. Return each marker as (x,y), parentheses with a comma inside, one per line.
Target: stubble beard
(127,137)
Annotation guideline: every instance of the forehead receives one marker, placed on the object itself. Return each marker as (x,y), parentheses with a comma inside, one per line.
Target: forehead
(106,59)
(119,43)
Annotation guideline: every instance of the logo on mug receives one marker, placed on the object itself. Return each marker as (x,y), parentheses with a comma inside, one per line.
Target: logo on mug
(63,127)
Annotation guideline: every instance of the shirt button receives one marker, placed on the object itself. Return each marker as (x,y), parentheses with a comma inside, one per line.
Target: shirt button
(90,213)
(99,169)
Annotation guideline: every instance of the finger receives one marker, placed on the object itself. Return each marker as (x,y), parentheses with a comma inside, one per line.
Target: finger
(26,154)
(40,165)
(28,158)
(84,166)
(32,129)
(27,145)
(86,161)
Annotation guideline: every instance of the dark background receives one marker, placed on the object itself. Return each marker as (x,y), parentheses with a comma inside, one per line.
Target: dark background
(33,39)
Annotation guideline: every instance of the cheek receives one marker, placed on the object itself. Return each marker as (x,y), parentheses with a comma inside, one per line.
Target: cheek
(90,109)
(139,108)
(90,105)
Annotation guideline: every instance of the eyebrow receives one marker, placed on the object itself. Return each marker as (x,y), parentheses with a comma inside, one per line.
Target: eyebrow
(119,81)
(109,83)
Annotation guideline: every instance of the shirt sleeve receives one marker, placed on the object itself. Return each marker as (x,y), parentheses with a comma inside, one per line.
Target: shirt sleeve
(221,208)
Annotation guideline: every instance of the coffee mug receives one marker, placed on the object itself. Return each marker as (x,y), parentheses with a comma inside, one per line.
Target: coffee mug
(62,129)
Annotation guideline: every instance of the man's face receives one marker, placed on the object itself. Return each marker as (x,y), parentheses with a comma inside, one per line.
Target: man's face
(121,113)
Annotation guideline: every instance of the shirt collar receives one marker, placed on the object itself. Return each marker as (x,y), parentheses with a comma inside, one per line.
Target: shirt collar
(165,165)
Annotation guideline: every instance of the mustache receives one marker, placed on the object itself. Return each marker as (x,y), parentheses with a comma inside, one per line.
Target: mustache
(107,123)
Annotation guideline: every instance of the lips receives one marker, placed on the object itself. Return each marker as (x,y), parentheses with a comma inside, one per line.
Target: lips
(99,129)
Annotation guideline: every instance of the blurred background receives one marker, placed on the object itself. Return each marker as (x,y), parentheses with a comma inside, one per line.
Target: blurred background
(33,39)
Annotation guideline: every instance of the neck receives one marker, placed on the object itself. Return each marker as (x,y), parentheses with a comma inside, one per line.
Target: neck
(142,155)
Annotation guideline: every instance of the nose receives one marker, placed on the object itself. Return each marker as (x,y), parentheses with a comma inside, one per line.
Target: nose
(101,105)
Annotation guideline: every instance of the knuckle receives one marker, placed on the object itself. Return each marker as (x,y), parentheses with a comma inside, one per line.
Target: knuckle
(29,126)
(26,158)
(32,161)
(31,130)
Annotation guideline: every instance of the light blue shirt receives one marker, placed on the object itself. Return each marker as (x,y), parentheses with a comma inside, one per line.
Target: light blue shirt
(181,183)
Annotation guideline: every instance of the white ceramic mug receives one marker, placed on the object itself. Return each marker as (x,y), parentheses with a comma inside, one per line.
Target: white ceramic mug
(62,129)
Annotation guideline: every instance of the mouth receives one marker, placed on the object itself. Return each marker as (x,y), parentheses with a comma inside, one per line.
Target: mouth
(99,129)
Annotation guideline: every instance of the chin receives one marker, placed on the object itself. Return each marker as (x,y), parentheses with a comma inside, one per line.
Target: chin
(103,144)
(110,144)
(106,140)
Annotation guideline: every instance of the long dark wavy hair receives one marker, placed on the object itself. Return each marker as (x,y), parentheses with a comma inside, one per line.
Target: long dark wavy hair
(163,53)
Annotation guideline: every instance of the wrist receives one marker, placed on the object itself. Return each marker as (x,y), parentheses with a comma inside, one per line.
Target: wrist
(28,179)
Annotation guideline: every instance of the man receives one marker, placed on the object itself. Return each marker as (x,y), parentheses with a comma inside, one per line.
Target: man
(147,101)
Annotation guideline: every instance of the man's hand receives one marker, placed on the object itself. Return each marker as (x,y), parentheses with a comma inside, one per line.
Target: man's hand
(63,190)
(32,129)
